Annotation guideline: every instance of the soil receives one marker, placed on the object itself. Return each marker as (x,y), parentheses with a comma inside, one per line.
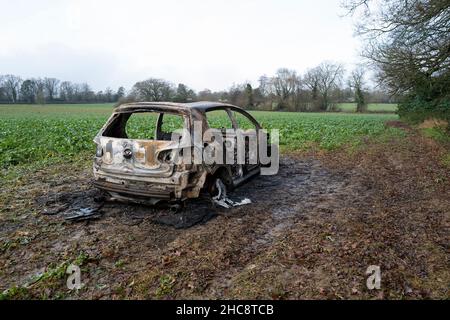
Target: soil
(310,232)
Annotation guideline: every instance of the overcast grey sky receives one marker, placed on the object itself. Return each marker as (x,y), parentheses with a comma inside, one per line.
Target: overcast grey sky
(205,44)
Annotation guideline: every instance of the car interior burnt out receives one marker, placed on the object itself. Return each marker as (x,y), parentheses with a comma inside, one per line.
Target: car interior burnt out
(140,152)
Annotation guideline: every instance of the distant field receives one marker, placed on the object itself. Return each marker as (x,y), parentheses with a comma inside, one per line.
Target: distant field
(55,110)
(30,133)
(372,107)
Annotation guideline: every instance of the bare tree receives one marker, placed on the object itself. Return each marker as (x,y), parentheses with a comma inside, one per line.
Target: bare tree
(408,43)
(108,95)
(28,90)
(12,83)
(184,93)
(236,95)
(67,91)
(322,80)
(120,93)
(205,95)
(356,82)
(284,84)
(264,92)
(40,90)
(2,89)
(85,92)
(264,85)
(51,87)
(153,90)
(311,80)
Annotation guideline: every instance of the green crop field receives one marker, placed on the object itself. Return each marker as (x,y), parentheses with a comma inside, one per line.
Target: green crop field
(33,133)
(371,107)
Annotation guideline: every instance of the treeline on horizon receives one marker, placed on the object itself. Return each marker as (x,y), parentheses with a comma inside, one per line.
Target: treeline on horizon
(319,89)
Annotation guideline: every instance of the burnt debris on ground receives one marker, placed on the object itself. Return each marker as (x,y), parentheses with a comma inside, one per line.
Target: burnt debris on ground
(92,204)
(296,177)
(73,206)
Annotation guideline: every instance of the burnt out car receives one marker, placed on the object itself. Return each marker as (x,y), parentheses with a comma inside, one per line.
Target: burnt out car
(152,151)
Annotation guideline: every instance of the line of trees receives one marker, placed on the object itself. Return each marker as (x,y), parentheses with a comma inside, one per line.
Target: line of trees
(319,89)
(13,89)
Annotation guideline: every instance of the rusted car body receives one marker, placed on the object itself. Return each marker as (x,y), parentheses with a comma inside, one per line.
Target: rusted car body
(143,170)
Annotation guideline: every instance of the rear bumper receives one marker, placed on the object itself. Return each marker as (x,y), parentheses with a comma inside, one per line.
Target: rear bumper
(165,193)
(175,187)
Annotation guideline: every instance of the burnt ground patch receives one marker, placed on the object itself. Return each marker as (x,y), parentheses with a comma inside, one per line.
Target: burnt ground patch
(297,179)
(310,232)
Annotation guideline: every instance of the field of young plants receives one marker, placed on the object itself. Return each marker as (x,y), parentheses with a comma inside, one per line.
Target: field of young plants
(372,107)
(30,133)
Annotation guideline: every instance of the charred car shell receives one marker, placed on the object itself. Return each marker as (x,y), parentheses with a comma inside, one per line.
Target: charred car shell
(142,170)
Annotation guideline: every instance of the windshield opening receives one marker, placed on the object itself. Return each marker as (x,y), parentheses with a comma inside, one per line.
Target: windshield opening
(145,125)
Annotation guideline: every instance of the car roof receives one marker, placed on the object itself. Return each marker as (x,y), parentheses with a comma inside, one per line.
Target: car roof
(172,106)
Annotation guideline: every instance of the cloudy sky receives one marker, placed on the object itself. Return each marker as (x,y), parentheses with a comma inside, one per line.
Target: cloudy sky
(205,44)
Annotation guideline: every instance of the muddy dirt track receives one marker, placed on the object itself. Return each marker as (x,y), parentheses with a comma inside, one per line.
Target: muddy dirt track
(310,232)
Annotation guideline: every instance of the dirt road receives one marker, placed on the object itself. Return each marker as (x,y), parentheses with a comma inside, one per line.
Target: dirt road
(310,232)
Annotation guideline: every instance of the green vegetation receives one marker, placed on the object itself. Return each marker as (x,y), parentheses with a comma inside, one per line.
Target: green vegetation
(52,278)
(27,111)
(372,107)
(32,134)
(326,130)
(446,160)
(417,109)
(166,283)
(439,134)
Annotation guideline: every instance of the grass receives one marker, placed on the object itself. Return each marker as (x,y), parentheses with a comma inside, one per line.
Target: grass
(439,134)
(34,134)
(55,111)
(372,107)
(52,278)
(166,283)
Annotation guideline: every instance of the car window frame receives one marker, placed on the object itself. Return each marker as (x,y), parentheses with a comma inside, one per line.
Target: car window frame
(228,112)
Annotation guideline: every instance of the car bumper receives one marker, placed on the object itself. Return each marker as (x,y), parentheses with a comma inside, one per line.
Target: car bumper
(175,187)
